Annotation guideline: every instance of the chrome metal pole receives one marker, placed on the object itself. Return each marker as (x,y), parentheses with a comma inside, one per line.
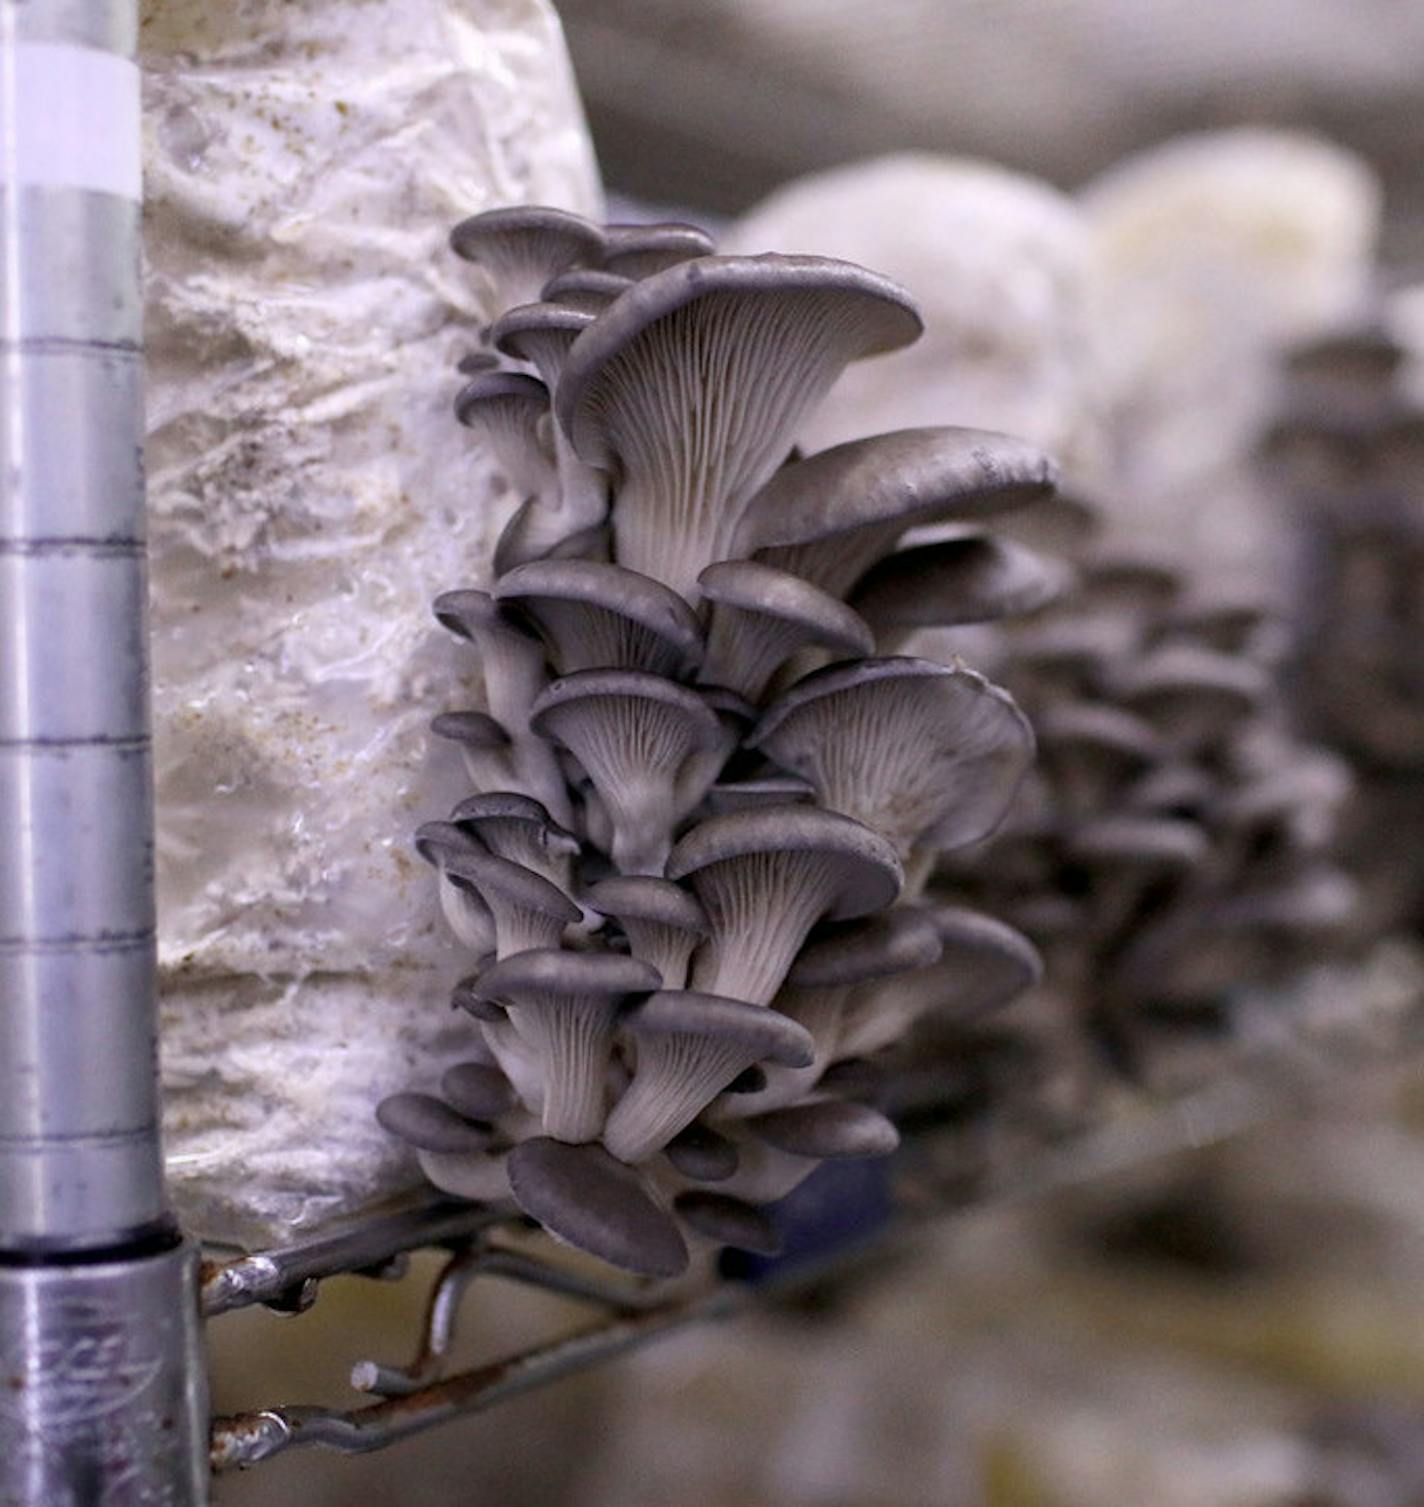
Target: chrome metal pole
(102,1396)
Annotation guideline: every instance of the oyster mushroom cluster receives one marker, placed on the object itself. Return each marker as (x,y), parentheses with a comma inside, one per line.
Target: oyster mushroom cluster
(706,786)
(1347,455)
(1177,841)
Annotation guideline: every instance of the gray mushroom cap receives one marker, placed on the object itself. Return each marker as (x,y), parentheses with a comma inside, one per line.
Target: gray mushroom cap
(982,965)
(728,1221)
(758,341)
(1231,620)
(597,616)
(523,246)
(1320,898)
(1172,789)
(477,1090)
(566,1006)
(832,516)
(1127,856)
(701,1155)
(1135,582)
(436,841)
(1153,843)
(423,1121)
(512,666)
(840,956)
(472,363)
(587,1199)
(827,1129)
(662,921)
(1091,749)
(484,746)
(1302,797)
(1068,656)
(1192,694)
(843,953)
(974,578)
(517,827)
(468,996)
(541,334)
(765,876)
(761,615)
(914,749)
(508,409)
(691,1046)
(442,844)
(640,250)
(588,289)
(528,910)
(631,732)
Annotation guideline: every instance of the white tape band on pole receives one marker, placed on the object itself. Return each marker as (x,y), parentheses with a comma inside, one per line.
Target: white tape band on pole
(72,118)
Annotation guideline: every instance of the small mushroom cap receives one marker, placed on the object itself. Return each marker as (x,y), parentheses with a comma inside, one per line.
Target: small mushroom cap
(585,1197)
(523,245)
(1156,843)
(543,971)
(913,748)
(1172,790)
(438,842)
(852,952)
(467,613)
(540,333)
(639,250)
(974,578)
(763,614)
(728,1221)
(826,1129)
(568,692)
(476,729)
(466,996)
(1081,646)
(430,1124)
(475,811)
(1313,786)
(870,873)
(496,388)
(1097,727)
(769,1035)
(983,963)
(644,897)
(490,876)
(478,1090)
(472,363)
(642,601)
(590,289)
(1118,579)
(1321,899)
(764,589)
(1177,672)
(699,1153)
(894,481)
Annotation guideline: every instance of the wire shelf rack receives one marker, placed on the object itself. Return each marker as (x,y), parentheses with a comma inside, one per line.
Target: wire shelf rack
(928,1181)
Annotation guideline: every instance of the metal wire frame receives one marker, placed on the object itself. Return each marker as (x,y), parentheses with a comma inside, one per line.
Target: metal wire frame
(420,1395)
